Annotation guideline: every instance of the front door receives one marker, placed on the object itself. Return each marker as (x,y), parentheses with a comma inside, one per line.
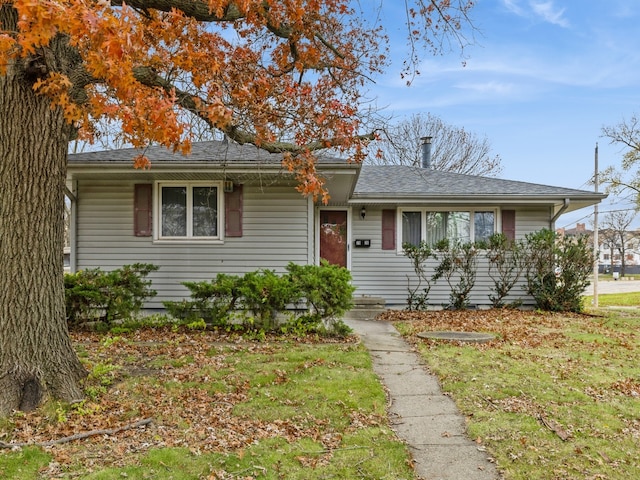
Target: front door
(333,236)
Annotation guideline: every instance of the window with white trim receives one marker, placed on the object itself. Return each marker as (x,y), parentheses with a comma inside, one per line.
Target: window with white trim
(432,226)
(189,210)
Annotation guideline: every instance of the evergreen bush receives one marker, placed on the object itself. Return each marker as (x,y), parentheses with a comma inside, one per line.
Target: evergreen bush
(326,288)
(210,301)
(418,296)
(307,298)
(458,266)
(94,295)
(506,265)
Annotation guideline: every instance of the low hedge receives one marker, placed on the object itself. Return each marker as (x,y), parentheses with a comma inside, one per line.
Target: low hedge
(306,298)
(96,296)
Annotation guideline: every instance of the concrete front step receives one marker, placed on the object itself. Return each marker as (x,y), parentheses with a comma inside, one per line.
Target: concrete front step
(363,313)
(368,302)
(366,308)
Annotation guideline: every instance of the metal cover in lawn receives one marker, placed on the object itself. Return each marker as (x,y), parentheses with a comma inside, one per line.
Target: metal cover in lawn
(469,337)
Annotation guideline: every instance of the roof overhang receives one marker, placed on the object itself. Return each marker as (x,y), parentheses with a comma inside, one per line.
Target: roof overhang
(340,177)
(503,200)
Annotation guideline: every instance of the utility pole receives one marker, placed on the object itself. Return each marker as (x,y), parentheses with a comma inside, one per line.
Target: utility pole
(596,250)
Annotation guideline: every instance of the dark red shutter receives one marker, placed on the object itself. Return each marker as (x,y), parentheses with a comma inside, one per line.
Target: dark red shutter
(388,229)
(233,212)
(509,224)
(142,204)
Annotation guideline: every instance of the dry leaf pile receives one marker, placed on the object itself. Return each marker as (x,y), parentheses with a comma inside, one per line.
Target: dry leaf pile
(525,328)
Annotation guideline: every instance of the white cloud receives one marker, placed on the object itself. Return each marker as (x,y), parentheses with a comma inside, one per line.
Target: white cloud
(549,13)
(514,7)
(545,10)
(493,87)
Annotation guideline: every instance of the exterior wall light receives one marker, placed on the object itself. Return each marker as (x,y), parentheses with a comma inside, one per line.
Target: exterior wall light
(363,212)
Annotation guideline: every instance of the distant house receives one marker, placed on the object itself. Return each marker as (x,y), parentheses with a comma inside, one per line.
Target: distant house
(611,248)
(233,209)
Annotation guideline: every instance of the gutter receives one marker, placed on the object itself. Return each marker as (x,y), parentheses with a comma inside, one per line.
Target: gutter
(564,207)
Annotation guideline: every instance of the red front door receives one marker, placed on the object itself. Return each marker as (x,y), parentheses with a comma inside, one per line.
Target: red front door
(333,236)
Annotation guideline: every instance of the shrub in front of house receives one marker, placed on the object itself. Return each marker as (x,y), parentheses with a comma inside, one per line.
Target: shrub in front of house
(418,294)
(326,289)
(96,296)
(263,295)
(454,262)
(557,270)
(210,301)
(458,266)
(506,265)
(307,298)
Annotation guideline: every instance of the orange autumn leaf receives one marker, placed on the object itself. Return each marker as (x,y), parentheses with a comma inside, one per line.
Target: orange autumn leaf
(141,162)
(257,71)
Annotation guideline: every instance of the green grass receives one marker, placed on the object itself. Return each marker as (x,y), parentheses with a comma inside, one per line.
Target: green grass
(578,373)
(259,411)
(615,300)
(23,464)
(321,381)
(369,454)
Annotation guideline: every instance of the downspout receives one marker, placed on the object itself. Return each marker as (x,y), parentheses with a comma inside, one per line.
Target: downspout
(311,233)
(73,215)
(564,207)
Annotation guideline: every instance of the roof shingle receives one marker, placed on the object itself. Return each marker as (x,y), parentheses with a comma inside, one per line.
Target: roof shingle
(403,181)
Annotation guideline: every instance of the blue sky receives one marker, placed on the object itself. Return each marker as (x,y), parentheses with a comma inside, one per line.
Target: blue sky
(540,82)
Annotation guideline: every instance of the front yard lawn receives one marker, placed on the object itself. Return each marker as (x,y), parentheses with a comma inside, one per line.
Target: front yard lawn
(553,397)
(219,408)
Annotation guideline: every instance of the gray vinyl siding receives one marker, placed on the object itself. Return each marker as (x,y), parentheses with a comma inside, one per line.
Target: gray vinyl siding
(385,273)
(529,220)
(276,230)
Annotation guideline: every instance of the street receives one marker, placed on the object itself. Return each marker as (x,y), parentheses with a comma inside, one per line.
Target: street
(615,286)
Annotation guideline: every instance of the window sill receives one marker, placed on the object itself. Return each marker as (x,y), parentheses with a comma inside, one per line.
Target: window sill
(187,241)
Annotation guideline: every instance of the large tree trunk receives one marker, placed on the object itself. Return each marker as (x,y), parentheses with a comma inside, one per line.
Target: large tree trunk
(37,358)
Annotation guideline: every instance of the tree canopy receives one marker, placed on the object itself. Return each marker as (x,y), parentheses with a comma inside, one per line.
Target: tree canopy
(284,75)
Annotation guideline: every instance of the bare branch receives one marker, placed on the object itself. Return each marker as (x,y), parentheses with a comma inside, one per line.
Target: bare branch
(627,134)
(453,148)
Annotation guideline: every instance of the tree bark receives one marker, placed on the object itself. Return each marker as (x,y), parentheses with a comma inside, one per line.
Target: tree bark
(37,359)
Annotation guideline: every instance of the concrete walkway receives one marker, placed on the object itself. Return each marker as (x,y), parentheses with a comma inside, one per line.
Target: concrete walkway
(420,414)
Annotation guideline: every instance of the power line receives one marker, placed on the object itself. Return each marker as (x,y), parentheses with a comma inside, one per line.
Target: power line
(589,215)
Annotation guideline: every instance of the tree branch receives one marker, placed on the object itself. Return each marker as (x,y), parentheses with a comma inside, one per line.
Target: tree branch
(200,11)
(623,185)
(78,436)
(147,76)
(195,9)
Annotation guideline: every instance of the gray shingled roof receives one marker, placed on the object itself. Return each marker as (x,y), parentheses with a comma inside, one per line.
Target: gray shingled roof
(201,152)
(395,181)
(389,182)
